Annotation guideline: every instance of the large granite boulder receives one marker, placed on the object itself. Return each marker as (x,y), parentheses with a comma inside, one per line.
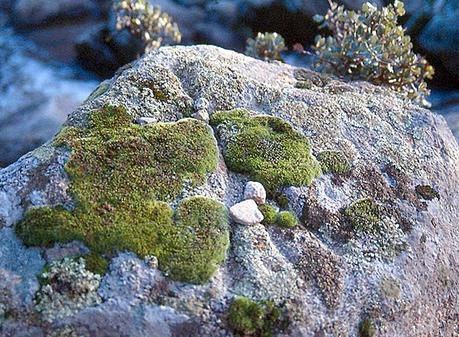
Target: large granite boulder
(376,251)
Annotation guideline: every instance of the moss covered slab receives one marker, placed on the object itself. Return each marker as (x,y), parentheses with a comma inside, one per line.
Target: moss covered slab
(122,176)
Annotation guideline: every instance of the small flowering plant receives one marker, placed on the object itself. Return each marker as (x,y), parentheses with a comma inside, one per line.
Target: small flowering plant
(147,22)
(369,44)
(266,46)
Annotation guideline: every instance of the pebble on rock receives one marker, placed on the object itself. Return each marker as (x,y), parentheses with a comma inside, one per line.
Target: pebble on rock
(255,191)
(246,213)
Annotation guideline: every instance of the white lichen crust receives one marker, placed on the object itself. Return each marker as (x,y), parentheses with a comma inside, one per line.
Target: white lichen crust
(69,288)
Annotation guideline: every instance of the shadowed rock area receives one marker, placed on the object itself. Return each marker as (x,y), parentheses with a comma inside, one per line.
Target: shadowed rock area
(376,247)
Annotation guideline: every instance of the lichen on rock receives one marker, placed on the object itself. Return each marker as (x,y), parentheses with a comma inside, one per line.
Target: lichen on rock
(427,192)
(69,287)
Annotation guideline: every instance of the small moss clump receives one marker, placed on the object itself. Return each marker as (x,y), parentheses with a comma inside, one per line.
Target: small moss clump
(250,318)
(333,162)
(269,214)
(121,176)
(286,219)
(281,200)
(198,243)
(266,148)
(427,192)
(367,328)
(364,215)
(96,263)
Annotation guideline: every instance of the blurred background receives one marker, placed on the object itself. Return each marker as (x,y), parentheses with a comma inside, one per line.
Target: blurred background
(53,53)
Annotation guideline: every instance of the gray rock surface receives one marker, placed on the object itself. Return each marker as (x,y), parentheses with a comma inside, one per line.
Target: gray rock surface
(70,249)
(328,278)
(18,268)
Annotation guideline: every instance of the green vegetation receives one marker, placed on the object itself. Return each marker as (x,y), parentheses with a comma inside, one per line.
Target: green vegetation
(266,46)
(286,219)
(370,45)
(266,148)
(427,192)
(250,318)
(282,200)
(367,328)
(96,264)
(364,215)
(197,246)
(121,177)
(147,22)
(269,214)
(333,162)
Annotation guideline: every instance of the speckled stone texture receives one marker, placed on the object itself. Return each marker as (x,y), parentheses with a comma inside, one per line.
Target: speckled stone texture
(403,276)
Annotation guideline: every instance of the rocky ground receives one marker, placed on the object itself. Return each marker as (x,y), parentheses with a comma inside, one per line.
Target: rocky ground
(372,178)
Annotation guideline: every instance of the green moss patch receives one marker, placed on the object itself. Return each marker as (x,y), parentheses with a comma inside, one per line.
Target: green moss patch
(196,246)
(367,328)
(266,148)
(333,162)
(286,219)
(282,200)
(121,177)
(269,214)
(364,215)
(96,264)
(250,318)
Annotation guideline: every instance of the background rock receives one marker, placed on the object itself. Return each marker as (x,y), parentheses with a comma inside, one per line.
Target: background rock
(39,12)
(35,96)
(246,213)
(254,190)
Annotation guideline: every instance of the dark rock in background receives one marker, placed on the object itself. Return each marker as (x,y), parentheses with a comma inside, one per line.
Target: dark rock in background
(103,50)
(85,29)
(31,13)
(36,95)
